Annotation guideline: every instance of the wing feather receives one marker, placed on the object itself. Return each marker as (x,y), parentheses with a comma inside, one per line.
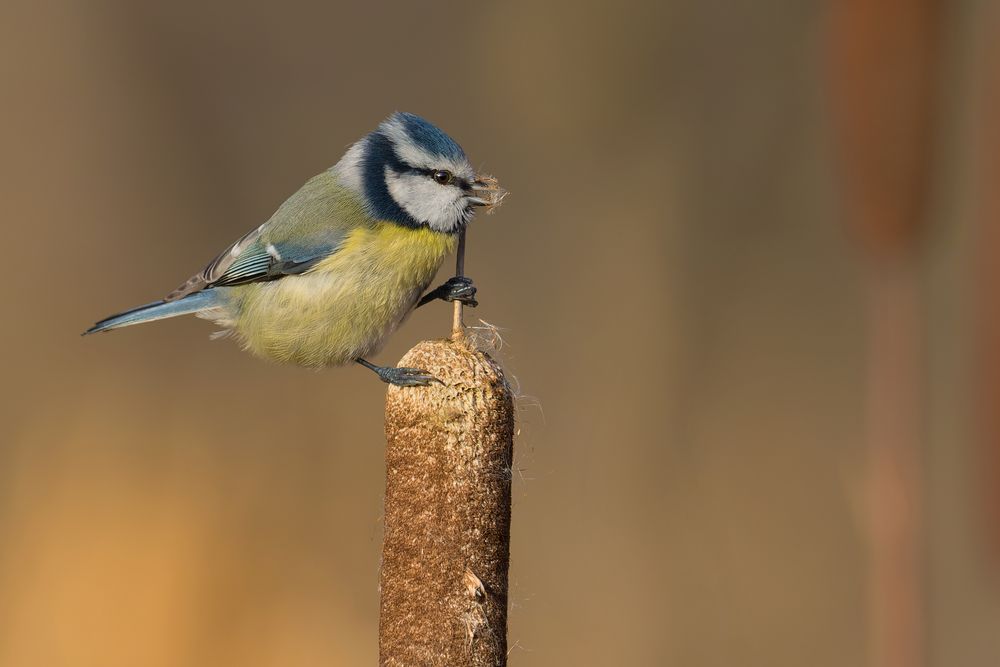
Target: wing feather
(217,268)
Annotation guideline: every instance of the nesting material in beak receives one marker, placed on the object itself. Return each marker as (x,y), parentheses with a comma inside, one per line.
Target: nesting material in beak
(487,193)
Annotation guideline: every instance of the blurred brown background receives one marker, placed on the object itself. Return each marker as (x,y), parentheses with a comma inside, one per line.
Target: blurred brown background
(672,273)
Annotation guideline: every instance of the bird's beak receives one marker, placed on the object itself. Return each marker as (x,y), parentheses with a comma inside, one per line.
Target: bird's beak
(486,192)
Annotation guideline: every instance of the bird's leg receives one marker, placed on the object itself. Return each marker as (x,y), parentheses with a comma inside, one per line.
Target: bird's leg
(458,288)
(401,377)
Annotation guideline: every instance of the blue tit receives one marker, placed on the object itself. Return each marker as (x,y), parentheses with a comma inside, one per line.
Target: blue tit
(344,260)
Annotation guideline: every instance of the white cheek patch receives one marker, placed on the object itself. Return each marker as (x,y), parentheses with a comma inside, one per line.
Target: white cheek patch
(440,206)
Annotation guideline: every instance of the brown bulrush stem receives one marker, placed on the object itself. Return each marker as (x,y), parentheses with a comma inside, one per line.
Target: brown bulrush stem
(987,318)
(447,502)
(883,70)
(894,471)
(447,512)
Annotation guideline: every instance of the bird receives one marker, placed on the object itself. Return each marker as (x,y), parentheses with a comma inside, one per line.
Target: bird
(343,261)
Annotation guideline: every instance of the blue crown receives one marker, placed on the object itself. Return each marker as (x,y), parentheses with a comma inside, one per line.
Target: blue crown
(428,136)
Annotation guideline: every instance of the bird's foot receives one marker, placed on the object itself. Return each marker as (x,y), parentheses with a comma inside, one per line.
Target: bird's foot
(401,377)
(458,288)
(406,377)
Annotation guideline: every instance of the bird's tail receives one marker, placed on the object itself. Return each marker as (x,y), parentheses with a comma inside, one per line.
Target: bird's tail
(158,310)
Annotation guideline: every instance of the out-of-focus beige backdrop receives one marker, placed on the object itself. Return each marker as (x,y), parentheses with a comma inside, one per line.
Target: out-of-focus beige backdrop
(682,309)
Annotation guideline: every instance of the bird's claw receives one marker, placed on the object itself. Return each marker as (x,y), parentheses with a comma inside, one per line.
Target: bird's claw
(406,377)
(459,288)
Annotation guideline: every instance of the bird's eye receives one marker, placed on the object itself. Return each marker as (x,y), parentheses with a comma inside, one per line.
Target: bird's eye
(442,177)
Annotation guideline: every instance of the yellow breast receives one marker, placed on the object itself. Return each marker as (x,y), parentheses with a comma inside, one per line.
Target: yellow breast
(348,303)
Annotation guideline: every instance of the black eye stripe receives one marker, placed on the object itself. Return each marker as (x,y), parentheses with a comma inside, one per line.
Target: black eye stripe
(456,180)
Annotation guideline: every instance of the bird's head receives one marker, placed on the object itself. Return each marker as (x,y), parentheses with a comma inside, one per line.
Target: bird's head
(410,172)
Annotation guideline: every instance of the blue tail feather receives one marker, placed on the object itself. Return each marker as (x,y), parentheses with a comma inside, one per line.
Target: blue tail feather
(157,310)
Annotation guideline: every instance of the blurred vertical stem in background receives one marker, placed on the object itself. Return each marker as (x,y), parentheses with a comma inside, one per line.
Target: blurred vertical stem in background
(445,557)
(987,280)
(882,70)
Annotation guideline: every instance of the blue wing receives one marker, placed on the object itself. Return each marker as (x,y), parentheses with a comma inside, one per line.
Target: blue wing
(260,262)
(250,260)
